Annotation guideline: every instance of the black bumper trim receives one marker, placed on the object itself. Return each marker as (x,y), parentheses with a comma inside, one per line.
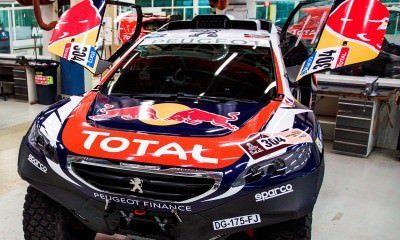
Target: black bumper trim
(91,212)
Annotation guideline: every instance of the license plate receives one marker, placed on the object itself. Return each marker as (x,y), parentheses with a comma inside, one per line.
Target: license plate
(236,221)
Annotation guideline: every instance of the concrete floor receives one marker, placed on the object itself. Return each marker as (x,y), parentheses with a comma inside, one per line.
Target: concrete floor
(359,199)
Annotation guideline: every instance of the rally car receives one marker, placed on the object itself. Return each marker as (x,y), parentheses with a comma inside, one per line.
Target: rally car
(193,133)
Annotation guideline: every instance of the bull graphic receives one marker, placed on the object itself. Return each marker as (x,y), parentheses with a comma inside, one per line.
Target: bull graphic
(127,113)
(197,116)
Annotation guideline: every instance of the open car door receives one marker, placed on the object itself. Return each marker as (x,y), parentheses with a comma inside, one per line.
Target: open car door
(341,33)
(77,33)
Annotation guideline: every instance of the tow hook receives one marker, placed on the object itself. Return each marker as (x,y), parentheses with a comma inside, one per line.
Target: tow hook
(175,212)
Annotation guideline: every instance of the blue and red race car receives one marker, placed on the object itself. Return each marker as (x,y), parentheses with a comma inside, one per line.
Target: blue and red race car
(193,133)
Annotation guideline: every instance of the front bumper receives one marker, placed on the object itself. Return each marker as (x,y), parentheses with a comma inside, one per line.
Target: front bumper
(108,213)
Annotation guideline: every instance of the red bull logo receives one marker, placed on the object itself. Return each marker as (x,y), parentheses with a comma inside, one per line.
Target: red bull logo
(127,113)
(166,114)
(74,23)
(196,116)
(75,34)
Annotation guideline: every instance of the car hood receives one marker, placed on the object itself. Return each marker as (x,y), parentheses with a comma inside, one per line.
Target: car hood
(178,118)
(130,140)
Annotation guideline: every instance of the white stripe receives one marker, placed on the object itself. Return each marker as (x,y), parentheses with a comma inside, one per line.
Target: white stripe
(230,192)
(56,168)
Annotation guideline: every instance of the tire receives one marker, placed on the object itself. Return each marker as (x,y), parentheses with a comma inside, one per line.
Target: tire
(44,219)
(298,229)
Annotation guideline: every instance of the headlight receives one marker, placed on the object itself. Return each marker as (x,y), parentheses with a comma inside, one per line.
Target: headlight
(293,160)
(40,143)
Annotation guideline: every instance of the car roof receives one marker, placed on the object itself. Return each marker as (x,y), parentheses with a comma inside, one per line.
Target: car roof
(259,38)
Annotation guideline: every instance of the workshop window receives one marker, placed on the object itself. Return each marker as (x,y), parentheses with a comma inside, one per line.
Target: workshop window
(204,11)
(143,3)
(204,3)
(183,3)
(19,33)
(162,3)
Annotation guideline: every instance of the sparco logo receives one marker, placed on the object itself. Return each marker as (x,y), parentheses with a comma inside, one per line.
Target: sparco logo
(275,192)
(37,164)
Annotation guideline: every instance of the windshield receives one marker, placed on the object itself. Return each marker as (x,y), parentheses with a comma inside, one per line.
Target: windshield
(201,71)
(154,25)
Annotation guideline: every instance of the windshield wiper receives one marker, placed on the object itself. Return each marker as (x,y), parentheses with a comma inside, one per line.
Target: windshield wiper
(180,95)
(210,98)
(141,95)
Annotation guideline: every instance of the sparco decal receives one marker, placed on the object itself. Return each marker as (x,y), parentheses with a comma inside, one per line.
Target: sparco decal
(142,203)
(139,147)
(37,164)
(274,192)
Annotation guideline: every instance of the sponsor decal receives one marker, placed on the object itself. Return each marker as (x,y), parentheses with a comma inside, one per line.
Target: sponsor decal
(113,144)
(166,114)
(197,116)
(80,53)
(274,192)
(204,40)
(75,33)
(207,32)
(37,163)
(262,144)
(288,102)
(342,57)
(67,49)
(126,28)
(80,135)
(307,64)
(353,33)
(73,22)
(138,203)
(304,34)
(319,144)
(261,36)
(92,57)
(359,21)
(236,221)
(137,185)
(272,142)
(324,59)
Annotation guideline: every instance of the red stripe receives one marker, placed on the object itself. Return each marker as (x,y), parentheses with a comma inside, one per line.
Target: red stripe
(279,84)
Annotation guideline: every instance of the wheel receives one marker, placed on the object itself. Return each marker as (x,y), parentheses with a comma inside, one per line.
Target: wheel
(298,229)
(44,219)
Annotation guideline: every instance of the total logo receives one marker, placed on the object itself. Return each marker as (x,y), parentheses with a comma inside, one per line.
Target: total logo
(166,114)
(274,192)
(140,147)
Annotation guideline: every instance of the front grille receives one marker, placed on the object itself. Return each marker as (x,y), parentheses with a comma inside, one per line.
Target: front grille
(147,184)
